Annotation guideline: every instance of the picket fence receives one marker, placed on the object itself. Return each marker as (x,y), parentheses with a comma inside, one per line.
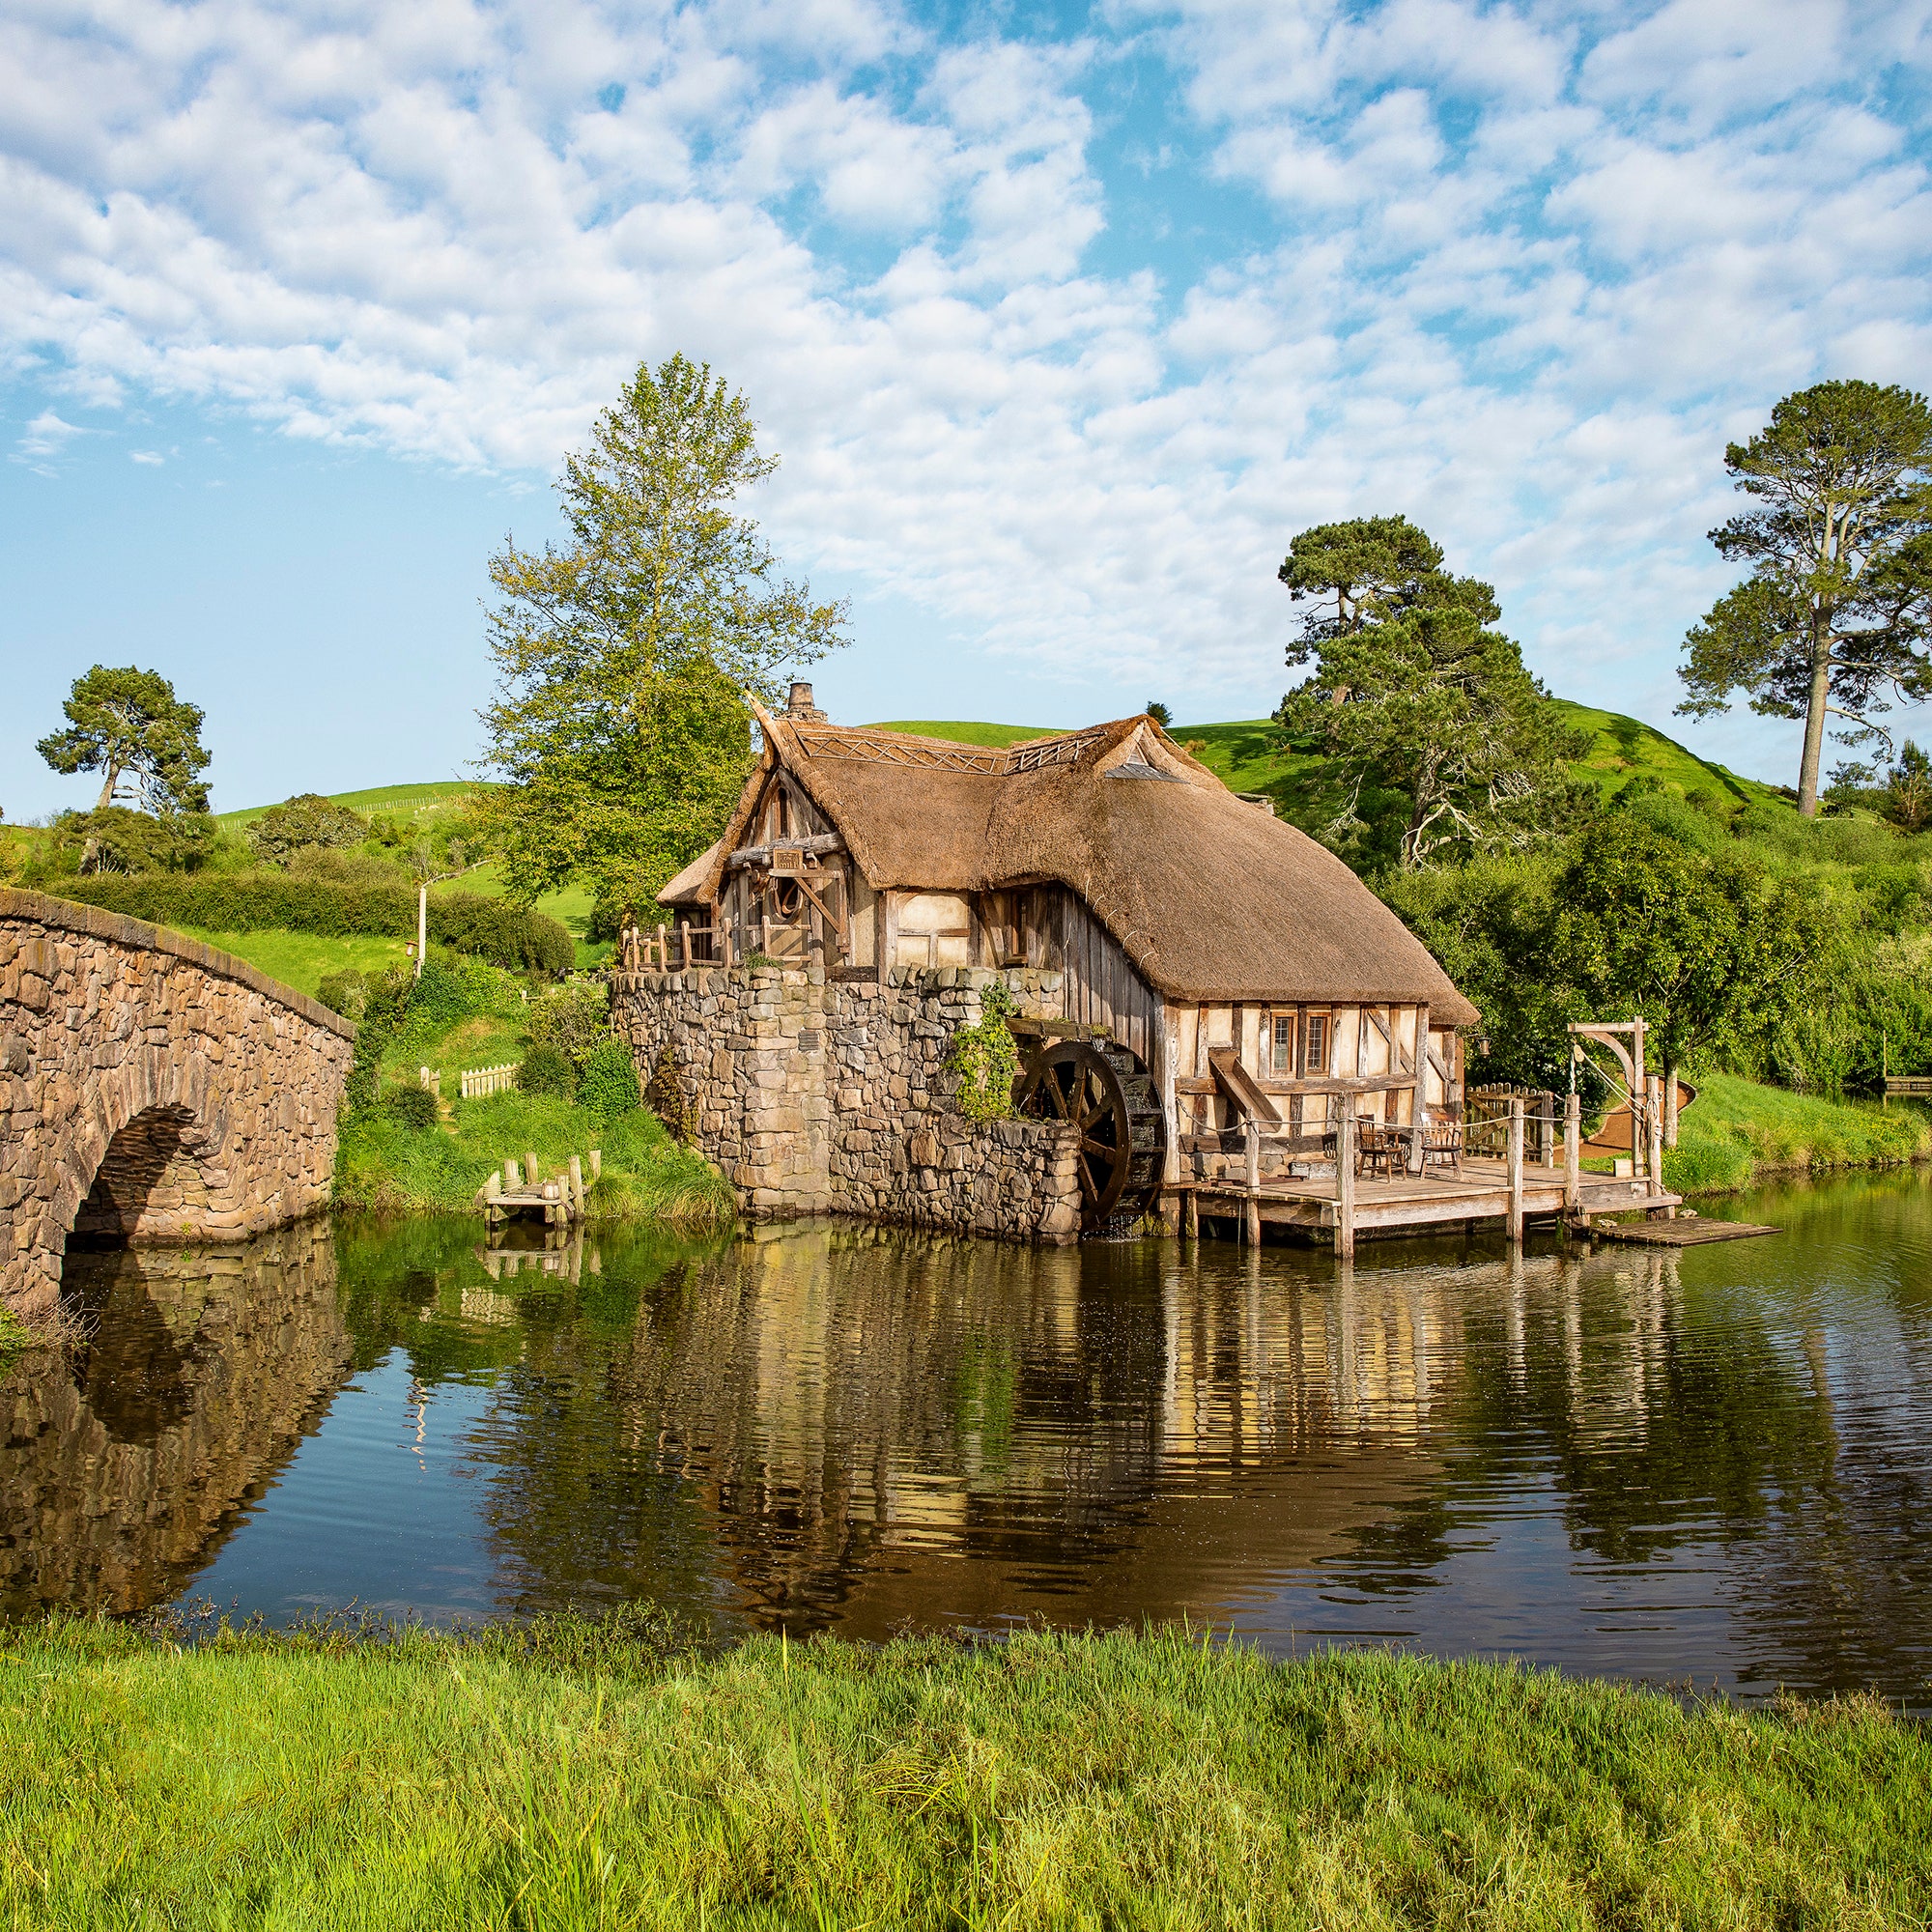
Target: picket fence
(480,1080)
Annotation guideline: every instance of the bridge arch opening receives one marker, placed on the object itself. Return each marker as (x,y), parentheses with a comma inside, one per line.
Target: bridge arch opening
(152,1184)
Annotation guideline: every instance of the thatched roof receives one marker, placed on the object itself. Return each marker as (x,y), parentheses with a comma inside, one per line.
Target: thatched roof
(1212,898)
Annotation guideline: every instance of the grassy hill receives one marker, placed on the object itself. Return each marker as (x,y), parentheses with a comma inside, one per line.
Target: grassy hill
(956,731)
(408,804)
(1246,756)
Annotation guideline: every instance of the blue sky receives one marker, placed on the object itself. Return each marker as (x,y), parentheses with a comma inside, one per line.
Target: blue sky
(1063,319)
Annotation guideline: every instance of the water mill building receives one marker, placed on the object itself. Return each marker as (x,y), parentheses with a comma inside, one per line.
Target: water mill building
(1187,968)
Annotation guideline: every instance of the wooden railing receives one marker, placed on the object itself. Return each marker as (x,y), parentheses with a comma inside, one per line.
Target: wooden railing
(478,1081)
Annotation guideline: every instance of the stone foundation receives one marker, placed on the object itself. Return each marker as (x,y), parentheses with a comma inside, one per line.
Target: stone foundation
(819,1096)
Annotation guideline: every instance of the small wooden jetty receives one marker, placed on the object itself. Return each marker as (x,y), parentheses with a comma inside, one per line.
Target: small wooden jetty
(1678,1234)
(516,1190)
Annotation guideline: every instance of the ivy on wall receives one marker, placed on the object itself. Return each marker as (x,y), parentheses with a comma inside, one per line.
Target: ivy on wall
(986,1058)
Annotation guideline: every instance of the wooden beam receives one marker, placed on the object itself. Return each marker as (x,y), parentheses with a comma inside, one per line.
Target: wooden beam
(761,855)
(1235,1081)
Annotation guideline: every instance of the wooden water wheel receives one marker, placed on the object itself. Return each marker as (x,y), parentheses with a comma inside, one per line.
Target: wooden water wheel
(1106,1094)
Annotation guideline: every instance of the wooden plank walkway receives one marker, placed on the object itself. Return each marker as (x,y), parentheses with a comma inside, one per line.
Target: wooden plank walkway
(1678,1234)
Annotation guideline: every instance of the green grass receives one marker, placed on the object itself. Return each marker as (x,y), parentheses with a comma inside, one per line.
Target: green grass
(1620,747)
(1120,1781)
(384,1167)
(571,908)
(955,731)
(1736,1131)
(14,1339)
(300,960)
(408,803)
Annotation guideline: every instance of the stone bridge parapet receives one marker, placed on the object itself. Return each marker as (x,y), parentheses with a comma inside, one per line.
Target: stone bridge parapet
(152,1088)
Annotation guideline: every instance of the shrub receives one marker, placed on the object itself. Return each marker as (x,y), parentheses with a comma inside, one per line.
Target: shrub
(575,1020)
(414,1106)
(309,819)
(546,1070)
(609,1083)
(127,842)
(669,1102)
(493,929)
(346,992)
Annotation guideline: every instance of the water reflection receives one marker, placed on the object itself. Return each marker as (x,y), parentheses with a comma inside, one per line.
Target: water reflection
(1709,1465)
(120,1472)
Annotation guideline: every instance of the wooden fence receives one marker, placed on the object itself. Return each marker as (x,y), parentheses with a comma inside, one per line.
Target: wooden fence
(480,1080)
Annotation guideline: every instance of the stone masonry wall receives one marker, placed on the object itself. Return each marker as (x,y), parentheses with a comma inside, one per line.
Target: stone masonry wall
(199,1094)
(819,1096)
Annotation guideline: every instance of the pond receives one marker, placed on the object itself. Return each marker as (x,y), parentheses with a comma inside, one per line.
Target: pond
(1711,1468)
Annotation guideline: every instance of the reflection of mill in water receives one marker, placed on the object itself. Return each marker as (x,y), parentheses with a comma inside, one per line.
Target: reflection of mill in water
(1104,1434)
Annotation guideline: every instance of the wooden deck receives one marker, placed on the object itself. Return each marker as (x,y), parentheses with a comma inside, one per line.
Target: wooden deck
(1438,1198)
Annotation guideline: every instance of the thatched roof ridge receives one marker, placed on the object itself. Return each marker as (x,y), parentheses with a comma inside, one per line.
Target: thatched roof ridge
(1211,898)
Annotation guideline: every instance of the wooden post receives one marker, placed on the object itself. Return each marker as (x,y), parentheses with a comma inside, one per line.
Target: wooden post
(1515,1170)
(1653,1134)
(1345,1187)
(662,960)
(422,927)
(596,1165)
(1421,1115)
(512,1179)
(684,944)
(493,1189)
(1191,1217)
(725,927)
(576,1187)
(1572,1156)
(1252,1179)
(530,1168)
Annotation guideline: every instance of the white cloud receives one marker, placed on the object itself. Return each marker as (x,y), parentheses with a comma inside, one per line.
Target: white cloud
(152,457)
(1517,270)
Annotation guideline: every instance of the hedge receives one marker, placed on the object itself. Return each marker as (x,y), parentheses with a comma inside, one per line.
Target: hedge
(493,929)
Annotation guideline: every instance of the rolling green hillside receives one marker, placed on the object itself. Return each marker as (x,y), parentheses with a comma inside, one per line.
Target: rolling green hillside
(408,802)
(958,732)
(1247,757)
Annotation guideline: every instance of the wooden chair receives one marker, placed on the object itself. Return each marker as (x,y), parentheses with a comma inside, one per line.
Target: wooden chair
(1376,1151)
(1442,1145)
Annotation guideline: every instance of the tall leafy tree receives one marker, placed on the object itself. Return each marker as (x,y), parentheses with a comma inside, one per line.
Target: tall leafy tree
(1413,693)
(128,725)
(623,656)
(1710,949)
(1835,616)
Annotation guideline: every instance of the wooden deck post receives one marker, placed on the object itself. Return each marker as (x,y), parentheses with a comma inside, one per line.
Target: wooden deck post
(1573,1157)
(513,1178)
(1345,1187)
(1251,1217)
(1191,1215)
(1654,1125)
(684,942)
(1515,1170)
(530,1168)
(577,1187)
(596,1167)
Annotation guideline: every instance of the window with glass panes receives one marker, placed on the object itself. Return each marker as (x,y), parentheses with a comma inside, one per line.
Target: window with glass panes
(1281,1056)
(1315,1060)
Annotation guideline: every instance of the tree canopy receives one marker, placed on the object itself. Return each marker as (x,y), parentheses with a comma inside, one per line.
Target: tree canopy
(306,822)
(1413,694)
(1835,616)
(619,721)
(128,725)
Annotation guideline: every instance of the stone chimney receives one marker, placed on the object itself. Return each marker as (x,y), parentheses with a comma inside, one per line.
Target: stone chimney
(800,709)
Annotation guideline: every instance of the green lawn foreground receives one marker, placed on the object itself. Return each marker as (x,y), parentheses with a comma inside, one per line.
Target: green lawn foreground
(1116,1780)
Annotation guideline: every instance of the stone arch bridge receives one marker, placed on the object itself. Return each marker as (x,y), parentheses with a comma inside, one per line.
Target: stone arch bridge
(151,1089)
